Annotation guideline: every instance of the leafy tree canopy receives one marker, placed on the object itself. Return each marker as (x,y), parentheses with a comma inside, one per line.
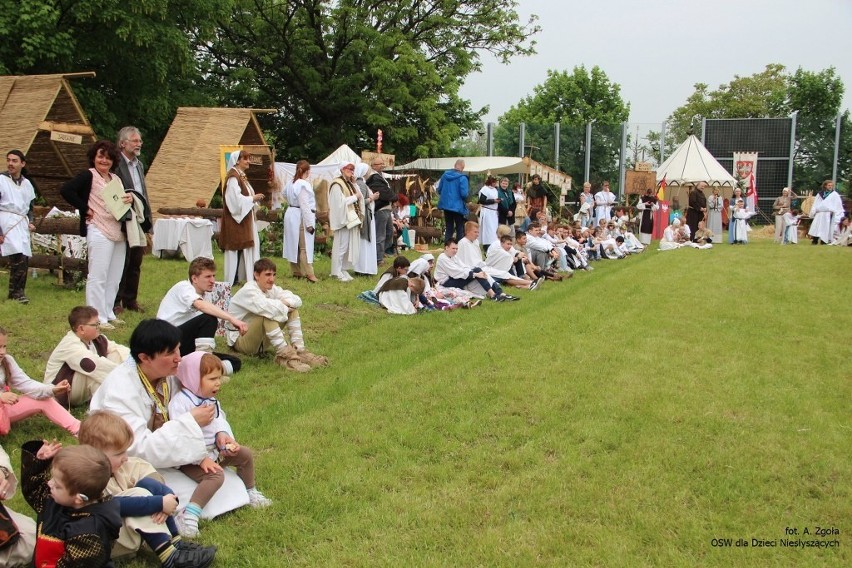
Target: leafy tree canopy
(140,51)
(338,71)
(816,96)
(571,99)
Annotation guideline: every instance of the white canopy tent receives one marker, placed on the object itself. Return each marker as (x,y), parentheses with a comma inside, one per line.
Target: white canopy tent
(473,165)
(327,169)
(692,163)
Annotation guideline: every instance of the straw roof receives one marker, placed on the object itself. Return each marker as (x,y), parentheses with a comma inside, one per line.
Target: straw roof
(31,106)
(187,164)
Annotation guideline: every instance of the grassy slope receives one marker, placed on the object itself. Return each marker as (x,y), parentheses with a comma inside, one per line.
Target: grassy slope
(624,417)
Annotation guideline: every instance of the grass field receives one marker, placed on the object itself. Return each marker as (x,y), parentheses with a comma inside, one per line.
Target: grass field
(625,417)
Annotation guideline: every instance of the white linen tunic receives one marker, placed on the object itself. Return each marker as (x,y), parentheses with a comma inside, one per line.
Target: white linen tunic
(488,219)
(14,206)
(301,213)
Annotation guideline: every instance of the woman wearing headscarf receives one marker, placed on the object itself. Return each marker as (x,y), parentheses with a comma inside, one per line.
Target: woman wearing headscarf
(105,239)
(780,206)
(367,262)
(300,223)
(715,204)
(238,236)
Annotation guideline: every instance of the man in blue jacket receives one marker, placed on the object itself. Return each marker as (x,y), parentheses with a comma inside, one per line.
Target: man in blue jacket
(453,190)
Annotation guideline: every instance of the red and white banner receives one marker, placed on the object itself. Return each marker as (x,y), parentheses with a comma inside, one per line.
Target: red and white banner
(745,169)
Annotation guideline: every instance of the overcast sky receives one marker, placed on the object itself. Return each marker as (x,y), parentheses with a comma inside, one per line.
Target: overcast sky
(658,49)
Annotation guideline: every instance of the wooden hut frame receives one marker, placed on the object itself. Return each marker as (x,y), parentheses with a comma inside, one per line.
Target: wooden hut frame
(187,167)
(41,117)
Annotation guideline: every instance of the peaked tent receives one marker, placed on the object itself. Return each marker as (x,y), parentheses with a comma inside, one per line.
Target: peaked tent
(187,166)
(690,164)
(32,107)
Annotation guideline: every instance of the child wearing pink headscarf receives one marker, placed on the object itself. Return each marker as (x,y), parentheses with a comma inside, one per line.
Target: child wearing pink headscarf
(200,374)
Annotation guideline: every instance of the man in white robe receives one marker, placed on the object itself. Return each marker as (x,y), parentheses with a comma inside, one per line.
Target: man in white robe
(16,197)
(500,259)
(827,212)
(345,220)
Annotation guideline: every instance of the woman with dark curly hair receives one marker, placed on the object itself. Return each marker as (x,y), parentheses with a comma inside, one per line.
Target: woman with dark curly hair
(104,237)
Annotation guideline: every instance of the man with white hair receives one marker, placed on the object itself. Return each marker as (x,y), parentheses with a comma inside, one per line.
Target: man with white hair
(131,172)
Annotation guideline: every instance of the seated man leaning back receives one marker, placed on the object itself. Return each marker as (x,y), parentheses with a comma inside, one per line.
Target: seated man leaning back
(266,308)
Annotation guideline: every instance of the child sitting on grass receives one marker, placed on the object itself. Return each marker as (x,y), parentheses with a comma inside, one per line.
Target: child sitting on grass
(77,525)
(84,357)
(35,398)
(200,374)
(146,504)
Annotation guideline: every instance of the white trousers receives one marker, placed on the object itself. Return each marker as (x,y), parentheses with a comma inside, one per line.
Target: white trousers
(106,265)
(340,251)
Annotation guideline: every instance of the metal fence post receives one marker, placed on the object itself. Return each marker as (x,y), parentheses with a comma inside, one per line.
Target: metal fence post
(489,138)
(522,134)
(663,143)
(836,147)
(556,146)
(621,160)
(793,120)
(588,148)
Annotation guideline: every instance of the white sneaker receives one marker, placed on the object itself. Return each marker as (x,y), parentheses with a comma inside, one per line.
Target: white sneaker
(186,531)
(257,499)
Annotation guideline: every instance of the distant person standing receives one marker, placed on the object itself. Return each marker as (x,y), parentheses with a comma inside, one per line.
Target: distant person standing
(383,208)
(604,200)
(238,236)
(827,213)
(453,188)
(697,207)
(715,204)
(647,205)
(536,194)
(131,172)
(780,207)
(16,205)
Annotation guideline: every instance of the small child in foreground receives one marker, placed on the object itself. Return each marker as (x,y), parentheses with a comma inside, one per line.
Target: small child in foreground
(200,374)
(146,504)
(76,524)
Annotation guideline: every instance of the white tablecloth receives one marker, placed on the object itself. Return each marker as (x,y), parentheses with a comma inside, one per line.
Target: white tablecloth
(191,236)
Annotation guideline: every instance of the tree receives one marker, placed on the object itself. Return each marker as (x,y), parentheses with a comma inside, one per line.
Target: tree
(571,100)
(338,71)
(760,95)
(140,51)
(816,96)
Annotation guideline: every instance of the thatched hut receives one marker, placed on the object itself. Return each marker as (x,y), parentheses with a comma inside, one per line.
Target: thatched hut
(187,166)
(40,116)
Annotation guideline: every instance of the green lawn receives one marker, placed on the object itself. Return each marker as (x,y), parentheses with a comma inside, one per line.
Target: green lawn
(625,417)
